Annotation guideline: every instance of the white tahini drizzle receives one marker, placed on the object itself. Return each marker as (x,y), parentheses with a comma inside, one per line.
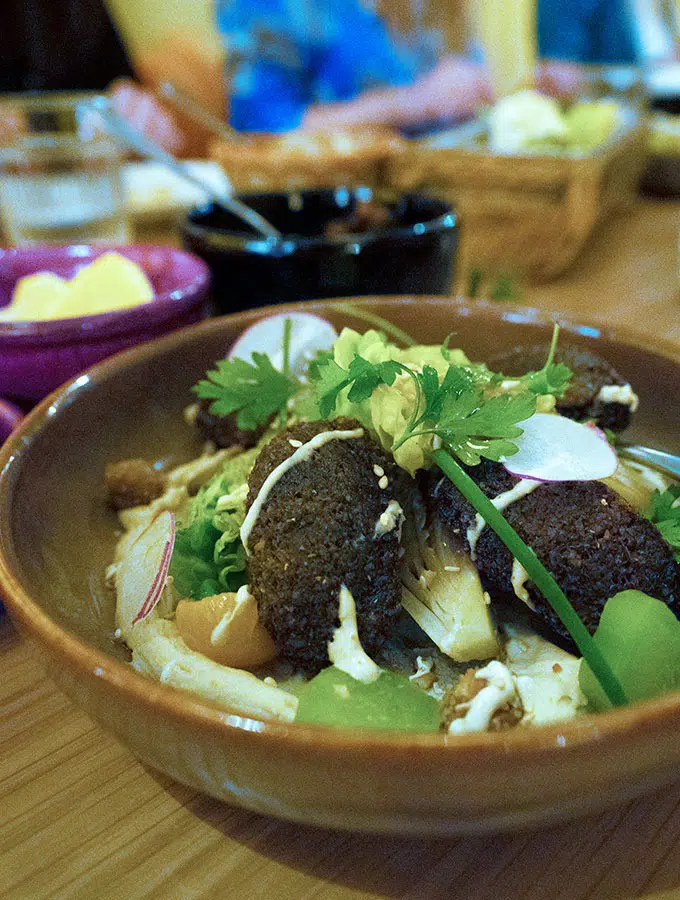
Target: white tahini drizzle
(497,693)
(523,487)
(619,393)
(519,578)
(345,650)
(302,454)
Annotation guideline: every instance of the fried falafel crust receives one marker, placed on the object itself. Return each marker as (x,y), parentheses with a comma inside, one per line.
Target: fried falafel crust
(316,531)
(590,373)
(588,537)
(223,431)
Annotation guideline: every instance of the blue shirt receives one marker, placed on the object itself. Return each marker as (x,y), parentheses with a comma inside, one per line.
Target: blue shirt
(291,53)
(586,31)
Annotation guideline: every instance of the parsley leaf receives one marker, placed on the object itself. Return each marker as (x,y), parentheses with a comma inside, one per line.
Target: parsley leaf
(457,410)
(255,390)
(474,427)
(362,377)
(366,377)
(553,378)
(666,516)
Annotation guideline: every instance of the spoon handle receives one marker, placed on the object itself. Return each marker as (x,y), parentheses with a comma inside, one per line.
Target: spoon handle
(192,108)
(120,127)
(656,459)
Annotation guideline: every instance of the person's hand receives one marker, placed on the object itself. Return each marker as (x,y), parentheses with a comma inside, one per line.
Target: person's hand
(148,115)
(454,89)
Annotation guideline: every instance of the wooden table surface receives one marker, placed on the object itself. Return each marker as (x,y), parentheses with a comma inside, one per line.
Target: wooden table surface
(81,818)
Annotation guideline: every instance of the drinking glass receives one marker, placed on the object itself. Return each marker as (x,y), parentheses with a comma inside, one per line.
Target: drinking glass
(60,173)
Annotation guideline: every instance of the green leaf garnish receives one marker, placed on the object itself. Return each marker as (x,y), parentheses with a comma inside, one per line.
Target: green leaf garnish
(362,377)
(553,378)
(457,410)
(473,427)
(666,516)
(255,390)
(640,639)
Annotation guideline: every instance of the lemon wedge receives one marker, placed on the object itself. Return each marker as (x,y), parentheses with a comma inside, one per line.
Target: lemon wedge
(39,296)
(109,283)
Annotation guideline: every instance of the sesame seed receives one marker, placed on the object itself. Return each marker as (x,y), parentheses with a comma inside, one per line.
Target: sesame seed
(487,598)
(294,443)
(604,502)
(270,681)
(384,481)
(379,471)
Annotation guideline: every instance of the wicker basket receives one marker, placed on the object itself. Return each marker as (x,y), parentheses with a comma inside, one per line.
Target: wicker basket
(527,216)
(299,160)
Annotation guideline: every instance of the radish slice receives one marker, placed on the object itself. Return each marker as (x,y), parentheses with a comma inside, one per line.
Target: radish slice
(308,334)
(144,572)
(553,448)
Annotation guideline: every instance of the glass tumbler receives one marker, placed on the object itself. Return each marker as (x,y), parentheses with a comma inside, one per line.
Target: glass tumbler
(60,173)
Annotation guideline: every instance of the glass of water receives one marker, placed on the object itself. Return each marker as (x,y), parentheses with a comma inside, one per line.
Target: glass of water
(60,173)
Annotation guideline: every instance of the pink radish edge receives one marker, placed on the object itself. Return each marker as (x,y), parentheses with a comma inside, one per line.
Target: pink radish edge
(554,449)
(156,589)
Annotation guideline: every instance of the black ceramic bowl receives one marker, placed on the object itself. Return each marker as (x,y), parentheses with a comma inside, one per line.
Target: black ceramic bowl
(412,253)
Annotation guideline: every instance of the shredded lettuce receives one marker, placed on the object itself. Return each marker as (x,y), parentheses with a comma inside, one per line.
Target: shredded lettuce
(208,556)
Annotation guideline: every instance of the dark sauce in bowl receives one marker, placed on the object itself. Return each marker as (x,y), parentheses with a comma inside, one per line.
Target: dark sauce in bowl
(408,246)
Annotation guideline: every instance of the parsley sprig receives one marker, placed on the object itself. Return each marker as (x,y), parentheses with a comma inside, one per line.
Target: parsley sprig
(255,390)
(666,516)
(470,423)
(554,378)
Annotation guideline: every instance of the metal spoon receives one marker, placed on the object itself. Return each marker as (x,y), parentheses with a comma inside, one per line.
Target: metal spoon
(121,128)
(668,463)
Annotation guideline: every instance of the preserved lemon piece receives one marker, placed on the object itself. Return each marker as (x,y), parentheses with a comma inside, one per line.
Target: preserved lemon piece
(40,296)
(110,282)
(226,628)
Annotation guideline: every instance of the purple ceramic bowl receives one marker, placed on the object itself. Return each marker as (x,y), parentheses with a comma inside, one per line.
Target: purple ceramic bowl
(10,416)
(36,357)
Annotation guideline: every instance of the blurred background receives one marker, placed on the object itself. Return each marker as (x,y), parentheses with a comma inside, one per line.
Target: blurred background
(533,120)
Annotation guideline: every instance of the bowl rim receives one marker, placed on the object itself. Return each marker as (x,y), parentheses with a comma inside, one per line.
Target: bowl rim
(221,238)
(167,305)
(589,732)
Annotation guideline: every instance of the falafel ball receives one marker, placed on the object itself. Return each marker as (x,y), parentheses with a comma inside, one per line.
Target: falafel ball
(581,400)
(223,431)
(317,531)
(585,534)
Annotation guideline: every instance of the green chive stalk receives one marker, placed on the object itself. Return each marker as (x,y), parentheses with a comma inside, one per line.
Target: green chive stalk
(351,309)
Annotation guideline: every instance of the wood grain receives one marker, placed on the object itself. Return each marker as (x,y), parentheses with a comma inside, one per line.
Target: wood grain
(81,818)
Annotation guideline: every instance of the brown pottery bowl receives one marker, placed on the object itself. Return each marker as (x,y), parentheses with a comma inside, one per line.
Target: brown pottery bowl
(57,536)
